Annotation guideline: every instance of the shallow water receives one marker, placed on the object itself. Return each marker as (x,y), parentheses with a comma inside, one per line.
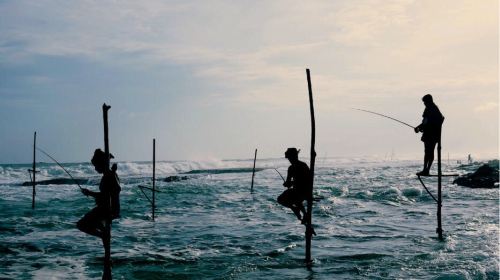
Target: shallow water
(373,220)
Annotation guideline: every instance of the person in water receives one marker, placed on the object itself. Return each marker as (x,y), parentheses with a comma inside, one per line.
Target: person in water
(94,221)
(298,184)
(431,131)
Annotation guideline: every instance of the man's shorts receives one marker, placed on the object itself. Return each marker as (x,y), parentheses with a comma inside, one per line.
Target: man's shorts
(291,196)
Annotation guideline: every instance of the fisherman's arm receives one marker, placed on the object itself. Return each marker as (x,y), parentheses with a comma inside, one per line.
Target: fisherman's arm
(421,126)
(288,183)
(88,192)
(425,120)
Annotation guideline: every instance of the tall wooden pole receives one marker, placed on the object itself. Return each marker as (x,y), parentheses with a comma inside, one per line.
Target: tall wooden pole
(253,172)
(107,228)
(105,109)
(34,172)
(309,228)
(154,178)
(439,229)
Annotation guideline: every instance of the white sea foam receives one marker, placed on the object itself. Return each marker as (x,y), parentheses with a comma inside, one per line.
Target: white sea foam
(372,217)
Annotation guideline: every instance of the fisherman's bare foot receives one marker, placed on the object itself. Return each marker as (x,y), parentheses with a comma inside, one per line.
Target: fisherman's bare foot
(423,173)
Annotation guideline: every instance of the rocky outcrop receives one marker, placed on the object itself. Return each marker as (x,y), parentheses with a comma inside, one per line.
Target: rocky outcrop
(486,176)
(58,181)
(175,178)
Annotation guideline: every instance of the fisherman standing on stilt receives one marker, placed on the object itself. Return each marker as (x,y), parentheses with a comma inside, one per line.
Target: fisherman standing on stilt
(431,128)
(298,184)
(93,222)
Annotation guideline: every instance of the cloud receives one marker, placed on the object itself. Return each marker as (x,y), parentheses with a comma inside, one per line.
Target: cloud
(250,56)
(362,23)
(490,106)
(252,48)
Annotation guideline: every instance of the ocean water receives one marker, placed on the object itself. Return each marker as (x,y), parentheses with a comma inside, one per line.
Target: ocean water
(373,221)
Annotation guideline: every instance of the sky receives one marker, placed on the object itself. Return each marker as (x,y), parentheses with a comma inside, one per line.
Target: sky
(217,79)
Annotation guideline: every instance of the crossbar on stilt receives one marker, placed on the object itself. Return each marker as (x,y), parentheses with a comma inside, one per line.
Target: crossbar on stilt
(439,199)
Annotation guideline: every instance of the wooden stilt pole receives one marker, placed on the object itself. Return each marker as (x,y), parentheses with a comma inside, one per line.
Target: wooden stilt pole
(309,228)
(34,172)
(253,172)
(107,228)
(439,229)
(153,205)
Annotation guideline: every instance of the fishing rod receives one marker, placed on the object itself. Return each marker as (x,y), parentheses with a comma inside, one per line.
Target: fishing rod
(384,116)
(76,182)
(280,174)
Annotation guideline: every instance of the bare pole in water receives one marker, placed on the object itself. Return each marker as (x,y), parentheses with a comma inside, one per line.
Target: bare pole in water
(34,172)
(253,172)
(107,227)
(154,178)
(439,229)
(309,228)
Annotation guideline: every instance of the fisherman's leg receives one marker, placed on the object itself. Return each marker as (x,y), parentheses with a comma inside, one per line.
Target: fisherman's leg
(90,223)
(425,163)
(106,243)
(429,154)
(425,170)
(426,155)
(302,208)
(298,207)
(89,230)
(296,211)
(284,199)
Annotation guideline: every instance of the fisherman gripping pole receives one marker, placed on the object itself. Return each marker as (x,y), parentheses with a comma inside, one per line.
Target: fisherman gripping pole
(33,170)
(107,227)
(309,228)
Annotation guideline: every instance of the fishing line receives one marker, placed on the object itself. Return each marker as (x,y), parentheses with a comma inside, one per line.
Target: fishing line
(384,116)
(280,175)
(61,167)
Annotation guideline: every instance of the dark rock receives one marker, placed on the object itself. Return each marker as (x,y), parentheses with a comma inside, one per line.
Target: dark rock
(485,176)
(175,178)
(58,181)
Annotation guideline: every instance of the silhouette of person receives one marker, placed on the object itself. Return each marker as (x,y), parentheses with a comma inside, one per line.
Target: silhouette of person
(93,222)
(298,184)
(431,131)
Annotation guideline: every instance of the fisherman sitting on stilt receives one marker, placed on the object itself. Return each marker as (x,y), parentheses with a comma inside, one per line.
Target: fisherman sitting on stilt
(431,128)
(298,183)
(93,222)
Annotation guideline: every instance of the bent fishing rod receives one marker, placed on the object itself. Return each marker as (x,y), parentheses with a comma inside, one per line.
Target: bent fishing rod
(76,182)
(280,175)
(375,113)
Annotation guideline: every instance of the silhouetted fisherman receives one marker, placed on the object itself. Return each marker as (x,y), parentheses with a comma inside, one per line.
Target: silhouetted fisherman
(298,182)
(94,221)
(431,128)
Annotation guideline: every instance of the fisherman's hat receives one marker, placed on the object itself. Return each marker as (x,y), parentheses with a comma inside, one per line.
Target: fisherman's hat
(100,156)
(291,152)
